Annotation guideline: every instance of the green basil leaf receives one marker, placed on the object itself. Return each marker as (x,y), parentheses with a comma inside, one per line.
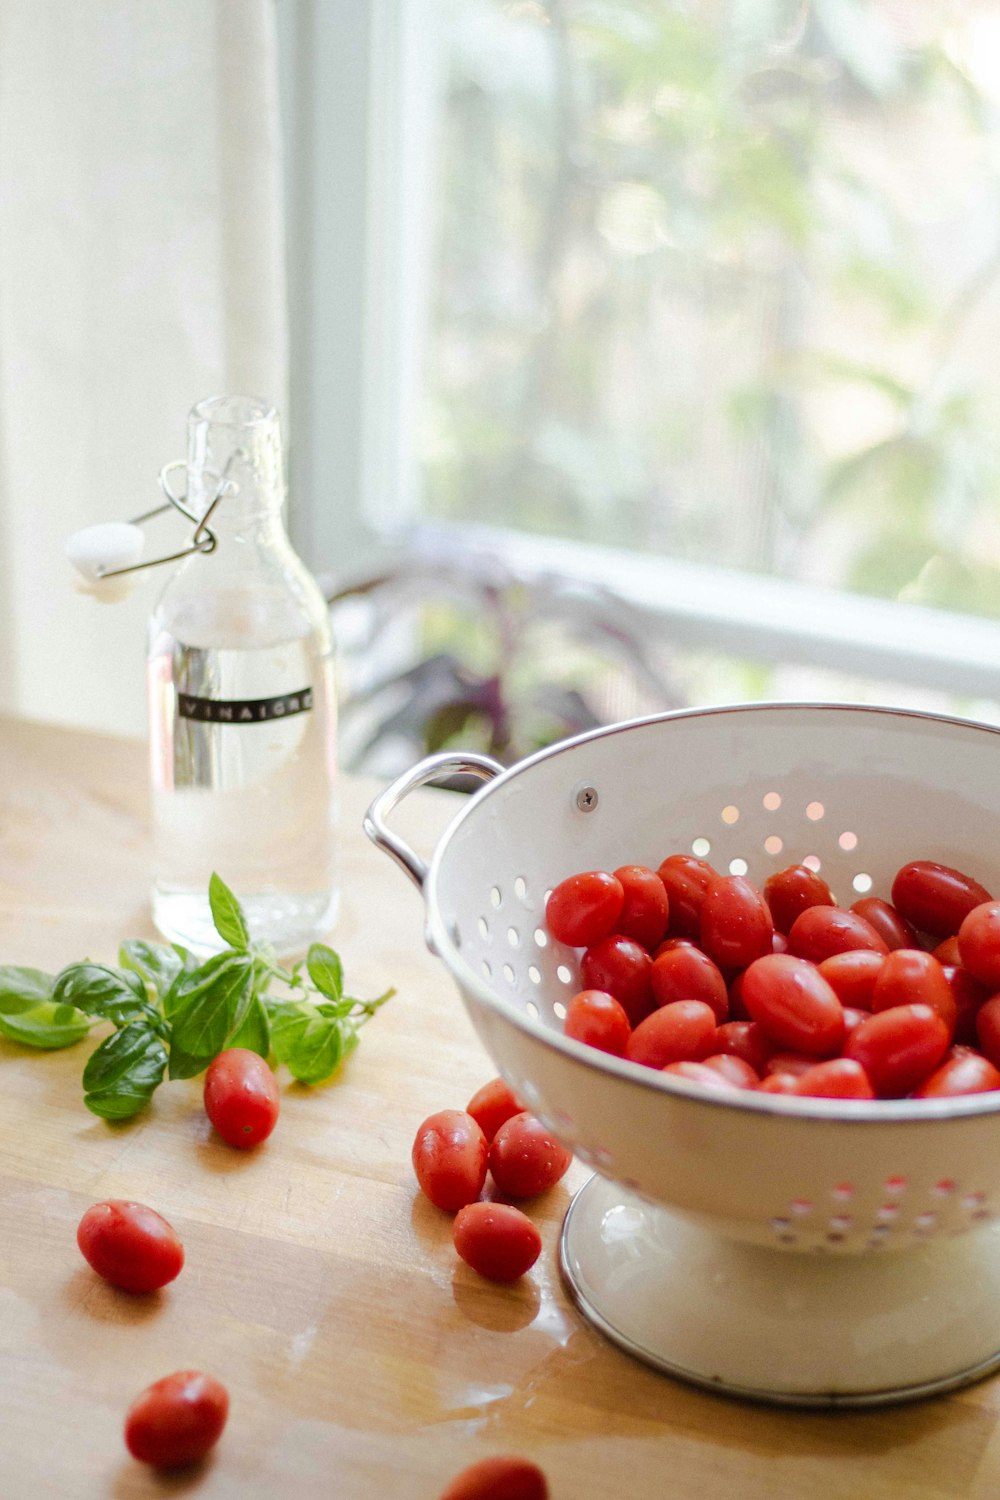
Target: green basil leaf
(116,995)
(326,970)
(310,1044)
(191,981)
(189,960)
(23,989)
(227,914)
(211,1013)
(46,1025)
(122,1074)
(184,1065)
(255,1033)
(155,963)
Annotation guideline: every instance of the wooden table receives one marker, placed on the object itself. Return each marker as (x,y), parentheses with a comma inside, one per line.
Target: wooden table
(362,1359)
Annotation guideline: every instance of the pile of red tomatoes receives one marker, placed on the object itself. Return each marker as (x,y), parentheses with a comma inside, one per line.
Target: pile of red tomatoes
(778,989)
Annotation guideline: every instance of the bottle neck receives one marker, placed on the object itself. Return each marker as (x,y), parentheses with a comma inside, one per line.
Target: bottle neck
(235,442)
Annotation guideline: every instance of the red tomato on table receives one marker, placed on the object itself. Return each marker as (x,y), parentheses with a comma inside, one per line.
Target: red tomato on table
(449,1158)
(492,1105)
(496,1239)
(525,1158)
(241,1097)
(176,1420)
(507,1477)
(130,1245)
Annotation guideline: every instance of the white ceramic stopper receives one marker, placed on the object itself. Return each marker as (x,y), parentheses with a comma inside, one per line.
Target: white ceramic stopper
(101,549)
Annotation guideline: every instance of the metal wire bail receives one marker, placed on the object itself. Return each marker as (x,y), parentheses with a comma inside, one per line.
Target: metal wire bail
(203,538)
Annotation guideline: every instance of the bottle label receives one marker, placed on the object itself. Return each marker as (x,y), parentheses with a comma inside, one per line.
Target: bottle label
(243,710)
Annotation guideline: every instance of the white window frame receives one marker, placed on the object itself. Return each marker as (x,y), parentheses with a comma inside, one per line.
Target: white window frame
(357,145)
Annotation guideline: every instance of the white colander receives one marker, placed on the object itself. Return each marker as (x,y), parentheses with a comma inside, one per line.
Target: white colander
(810,1252)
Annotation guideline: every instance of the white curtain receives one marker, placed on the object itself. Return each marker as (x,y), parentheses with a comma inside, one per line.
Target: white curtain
(141,268)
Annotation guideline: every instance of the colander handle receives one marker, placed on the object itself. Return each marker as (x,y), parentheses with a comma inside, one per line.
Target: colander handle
(435,768)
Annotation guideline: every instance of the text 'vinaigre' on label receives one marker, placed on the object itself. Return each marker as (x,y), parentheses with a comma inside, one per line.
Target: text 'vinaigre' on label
(243,710)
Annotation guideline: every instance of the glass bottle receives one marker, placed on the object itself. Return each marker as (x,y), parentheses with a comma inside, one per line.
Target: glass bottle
(242,707)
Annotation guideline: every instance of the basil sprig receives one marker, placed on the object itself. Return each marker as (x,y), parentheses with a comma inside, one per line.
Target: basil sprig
(172,1015)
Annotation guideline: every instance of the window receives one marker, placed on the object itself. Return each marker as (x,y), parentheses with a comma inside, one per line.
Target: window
(698,300)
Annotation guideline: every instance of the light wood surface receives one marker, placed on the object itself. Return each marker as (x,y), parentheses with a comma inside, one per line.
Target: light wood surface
(362,1358)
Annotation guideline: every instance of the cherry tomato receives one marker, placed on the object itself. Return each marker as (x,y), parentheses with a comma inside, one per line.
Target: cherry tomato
(839,1078)
(886,921)
(709,1078)
(504,1478)
(584,908)
(777,1083)
(791,891)
(130,1245)
(935,898)
(646,910)
(525,1159)
(899,1048)
(449,1156)
(852,974)
(496,1240)
(685,880)
(670,943)
(241,1097)
(946,951)
(177,1419)
(966,1073)
(683,1031)
(988,1029)
(685,973)
(779,942)
(622,968)
(737,1007)
(979,943)
(734,1069)
(794,1004)
(736,924)
(597,1018)
(790,1064)
(852,1018)
(909,976)
(822,931)
(493,1104)
(969,996)
(746,1040)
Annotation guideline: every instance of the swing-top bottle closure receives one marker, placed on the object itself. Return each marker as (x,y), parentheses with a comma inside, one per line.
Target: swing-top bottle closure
(113,549)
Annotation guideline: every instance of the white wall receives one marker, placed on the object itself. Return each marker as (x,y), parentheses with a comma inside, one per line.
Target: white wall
(141,268)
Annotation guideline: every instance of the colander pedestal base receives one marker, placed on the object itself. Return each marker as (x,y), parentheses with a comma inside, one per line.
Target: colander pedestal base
(797,1329)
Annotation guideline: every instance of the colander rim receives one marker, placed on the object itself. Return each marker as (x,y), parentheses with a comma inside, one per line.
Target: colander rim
(830,1111)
